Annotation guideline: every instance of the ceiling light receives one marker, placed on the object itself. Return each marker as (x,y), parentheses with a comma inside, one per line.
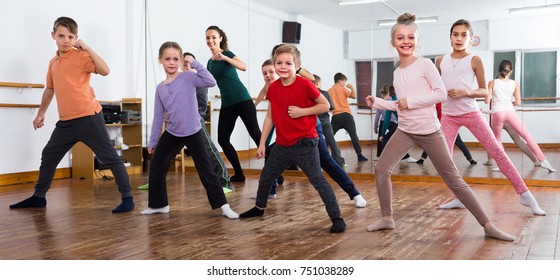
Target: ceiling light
(533,9)
(353,2)
(389,22)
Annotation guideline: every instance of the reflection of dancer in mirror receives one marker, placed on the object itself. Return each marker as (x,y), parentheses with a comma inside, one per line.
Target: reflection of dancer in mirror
(342,117)
(390,124)
(459,70)
(501,92)
(519,142)
(176,101)
(236,101)
(325,119)
(419,88)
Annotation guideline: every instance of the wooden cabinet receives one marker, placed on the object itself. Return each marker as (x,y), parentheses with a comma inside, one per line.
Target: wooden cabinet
(83,157)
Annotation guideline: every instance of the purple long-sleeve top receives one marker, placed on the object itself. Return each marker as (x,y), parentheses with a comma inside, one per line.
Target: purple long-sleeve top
(177,103)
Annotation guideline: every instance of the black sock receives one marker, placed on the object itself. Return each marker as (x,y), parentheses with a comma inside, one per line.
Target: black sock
(338,225)
(237,178)
(280,180)
(253,212)
(33,201)
(126,205)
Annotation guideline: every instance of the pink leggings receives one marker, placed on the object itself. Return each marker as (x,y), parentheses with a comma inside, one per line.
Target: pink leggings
(478,126)
(510,117)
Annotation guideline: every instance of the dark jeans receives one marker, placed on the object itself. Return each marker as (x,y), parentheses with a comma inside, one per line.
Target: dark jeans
(226,123)
(346,121)
(335,171)
(90,130)
(306,155)
(331,142)
(165,152)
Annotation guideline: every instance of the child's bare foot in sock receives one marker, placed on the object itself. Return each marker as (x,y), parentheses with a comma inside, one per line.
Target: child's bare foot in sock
(491,230)
(149,211)
(226,211)
(455,203)
(527,199)
(384,223)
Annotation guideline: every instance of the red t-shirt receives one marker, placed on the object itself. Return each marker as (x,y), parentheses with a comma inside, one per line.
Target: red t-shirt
(301,93)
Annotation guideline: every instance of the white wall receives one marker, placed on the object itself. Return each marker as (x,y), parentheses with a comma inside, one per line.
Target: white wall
(25,52)
(115,29)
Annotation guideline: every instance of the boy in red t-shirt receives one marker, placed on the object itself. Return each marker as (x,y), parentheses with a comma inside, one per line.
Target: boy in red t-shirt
(80,116)
(294,103)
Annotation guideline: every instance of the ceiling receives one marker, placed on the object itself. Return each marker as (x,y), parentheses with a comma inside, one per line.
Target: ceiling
(365,16)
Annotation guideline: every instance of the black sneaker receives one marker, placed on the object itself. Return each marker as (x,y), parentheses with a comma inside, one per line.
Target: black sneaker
(362,158)
(237,178)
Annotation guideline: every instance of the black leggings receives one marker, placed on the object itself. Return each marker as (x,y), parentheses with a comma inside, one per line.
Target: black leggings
(226,123)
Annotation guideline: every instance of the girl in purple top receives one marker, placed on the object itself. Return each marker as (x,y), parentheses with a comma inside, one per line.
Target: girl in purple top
(419,87)
(458,71)
(176,102)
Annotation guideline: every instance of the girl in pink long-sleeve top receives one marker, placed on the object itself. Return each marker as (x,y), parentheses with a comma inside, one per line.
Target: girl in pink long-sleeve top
(458,71)
(419,87)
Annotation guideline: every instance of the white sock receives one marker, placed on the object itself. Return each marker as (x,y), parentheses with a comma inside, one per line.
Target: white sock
(527,199)
(546,165)
(226,211)
(455,203)
(360,201)
(150,211)
(411,160)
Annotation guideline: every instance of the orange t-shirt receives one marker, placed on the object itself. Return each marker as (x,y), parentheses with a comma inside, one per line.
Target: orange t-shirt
(69,75)
(339,96)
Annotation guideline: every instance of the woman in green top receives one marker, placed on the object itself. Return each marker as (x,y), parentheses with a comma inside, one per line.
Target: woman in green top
(236,101)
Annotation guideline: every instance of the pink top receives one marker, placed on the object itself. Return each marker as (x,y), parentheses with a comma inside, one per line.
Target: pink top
(422,86)
(458,74)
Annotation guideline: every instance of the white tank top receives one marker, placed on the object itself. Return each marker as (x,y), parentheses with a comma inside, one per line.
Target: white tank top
(502,95)
(458,74)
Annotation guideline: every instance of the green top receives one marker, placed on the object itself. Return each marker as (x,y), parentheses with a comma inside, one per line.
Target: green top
(231,88)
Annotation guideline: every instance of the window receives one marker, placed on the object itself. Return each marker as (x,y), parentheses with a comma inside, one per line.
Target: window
(536,75)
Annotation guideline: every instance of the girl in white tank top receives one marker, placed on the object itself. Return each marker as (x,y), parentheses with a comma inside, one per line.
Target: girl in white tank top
(459,70)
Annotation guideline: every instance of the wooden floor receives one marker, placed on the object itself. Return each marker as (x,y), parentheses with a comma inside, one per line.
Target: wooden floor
(78,224)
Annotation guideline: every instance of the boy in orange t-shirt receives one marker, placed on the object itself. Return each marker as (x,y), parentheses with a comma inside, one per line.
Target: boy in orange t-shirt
(342,115)
(79,112)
